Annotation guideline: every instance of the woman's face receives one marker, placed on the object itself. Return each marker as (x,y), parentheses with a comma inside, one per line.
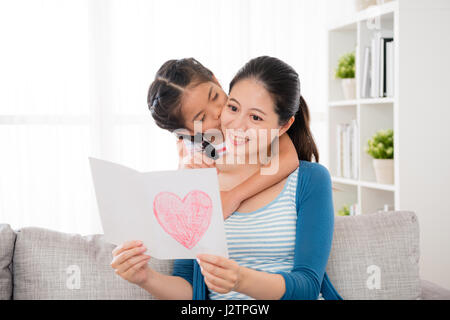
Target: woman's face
(249,117)
(203,103)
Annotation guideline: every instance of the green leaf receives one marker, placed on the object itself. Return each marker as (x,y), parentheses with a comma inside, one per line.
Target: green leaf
(381,145)
(346,66)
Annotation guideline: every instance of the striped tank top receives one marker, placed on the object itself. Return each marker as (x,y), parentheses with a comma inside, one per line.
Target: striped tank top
(264,239)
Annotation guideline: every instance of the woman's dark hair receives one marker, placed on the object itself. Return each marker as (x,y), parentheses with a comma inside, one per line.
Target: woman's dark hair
(165,92)
(283,84)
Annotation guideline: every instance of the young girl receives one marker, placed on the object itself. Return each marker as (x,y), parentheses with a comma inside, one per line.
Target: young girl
(183,92)
(279,240)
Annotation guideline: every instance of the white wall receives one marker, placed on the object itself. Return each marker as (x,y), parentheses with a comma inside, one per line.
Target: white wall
(424,169)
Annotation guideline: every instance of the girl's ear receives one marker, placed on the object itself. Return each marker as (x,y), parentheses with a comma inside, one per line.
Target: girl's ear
(287,125)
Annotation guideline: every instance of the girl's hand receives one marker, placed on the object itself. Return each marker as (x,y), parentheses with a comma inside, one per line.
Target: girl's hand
(130,262)
(192,160)
(230,203)
(221,275)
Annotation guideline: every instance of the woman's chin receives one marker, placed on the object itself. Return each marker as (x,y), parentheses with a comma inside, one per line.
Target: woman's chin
(241,153)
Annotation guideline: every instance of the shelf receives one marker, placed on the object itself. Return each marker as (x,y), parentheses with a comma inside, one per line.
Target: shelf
(377,11)
(341,103)
(345,181)
(349,23)
(367,184)
(376,100)
(378,186)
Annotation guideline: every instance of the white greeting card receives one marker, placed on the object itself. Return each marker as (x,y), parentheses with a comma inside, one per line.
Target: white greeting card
(177,214)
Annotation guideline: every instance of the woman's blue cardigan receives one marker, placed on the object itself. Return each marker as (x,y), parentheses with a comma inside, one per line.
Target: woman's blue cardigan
(315,225)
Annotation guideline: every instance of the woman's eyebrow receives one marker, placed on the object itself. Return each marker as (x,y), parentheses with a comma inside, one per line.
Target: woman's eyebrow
(259,110)
(235,101)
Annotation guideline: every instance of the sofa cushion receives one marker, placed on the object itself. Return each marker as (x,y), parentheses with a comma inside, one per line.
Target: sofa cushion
(54,265)
(376,256)
(7,239)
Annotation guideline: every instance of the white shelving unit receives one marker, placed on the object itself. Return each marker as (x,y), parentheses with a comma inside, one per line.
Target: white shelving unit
(412,25)
(370,114)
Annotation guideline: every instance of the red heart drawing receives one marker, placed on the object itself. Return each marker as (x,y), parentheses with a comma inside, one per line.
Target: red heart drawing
(185,220)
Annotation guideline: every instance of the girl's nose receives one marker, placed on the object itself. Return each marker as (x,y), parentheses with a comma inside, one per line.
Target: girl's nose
(218,112)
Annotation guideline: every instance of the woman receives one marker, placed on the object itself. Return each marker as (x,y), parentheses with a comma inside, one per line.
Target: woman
(279,240)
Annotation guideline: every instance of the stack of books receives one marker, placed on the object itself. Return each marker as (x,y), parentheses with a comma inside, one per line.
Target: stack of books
(355,209)
(378,67)
(347,150)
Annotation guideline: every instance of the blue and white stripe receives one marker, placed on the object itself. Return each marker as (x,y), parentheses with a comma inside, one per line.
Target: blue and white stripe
(264,239)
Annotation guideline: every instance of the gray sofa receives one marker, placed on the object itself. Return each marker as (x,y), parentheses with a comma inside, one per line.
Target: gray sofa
(374,256)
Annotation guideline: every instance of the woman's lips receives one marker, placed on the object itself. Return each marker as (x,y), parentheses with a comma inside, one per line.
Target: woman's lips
(237,140)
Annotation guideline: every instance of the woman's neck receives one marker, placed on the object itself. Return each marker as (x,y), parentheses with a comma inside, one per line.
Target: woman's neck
(233,174)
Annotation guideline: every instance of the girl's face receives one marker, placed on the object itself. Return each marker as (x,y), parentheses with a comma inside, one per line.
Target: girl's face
(203,103)
(249,117)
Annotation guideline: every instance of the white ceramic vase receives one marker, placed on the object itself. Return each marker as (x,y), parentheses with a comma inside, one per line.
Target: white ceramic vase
(384,170)
(349,88)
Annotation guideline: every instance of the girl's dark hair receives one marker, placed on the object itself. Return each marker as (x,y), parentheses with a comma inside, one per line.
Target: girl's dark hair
(283,84)
(165,92)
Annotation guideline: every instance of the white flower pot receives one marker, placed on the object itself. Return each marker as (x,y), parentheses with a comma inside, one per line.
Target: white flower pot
(349,88)
(384,170)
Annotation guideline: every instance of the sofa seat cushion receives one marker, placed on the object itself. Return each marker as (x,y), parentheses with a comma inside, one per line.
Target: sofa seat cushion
(376,256)
(54,265)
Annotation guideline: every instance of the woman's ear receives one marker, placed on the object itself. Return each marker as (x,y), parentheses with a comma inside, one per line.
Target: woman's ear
(287,125)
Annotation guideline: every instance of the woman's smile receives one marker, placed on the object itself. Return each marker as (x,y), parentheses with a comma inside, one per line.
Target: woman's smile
(236,140)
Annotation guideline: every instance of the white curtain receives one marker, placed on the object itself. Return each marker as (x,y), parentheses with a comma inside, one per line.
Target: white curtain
(74,76)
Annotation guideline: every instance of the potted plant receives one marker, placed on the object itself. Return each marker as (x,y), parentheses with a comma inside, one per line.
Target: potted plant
(344,211)
(381,148)
(346,71)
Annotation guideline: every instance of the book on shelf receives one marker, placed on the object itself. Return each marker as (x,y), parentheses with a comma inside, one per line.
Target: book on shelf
(374,67)
(365,88)
(347,146)
(378,66)
(339,153)
(354,150)
(390,69)
(347,150)
(382,87)
(386,208)
(354,209)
